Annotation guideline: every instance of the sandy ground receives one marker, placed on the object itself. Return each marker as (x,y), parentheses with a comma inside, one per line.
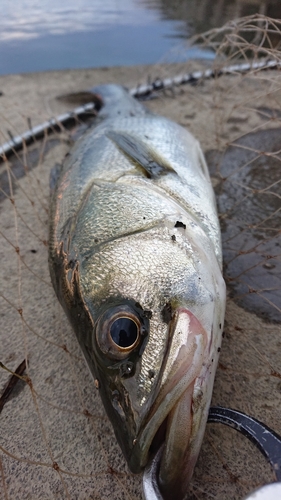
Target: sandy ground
(56,442)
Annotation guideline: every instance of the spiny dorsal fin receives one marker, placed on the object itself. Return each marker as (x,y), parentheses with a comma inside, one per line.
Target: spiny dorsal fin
(141,153)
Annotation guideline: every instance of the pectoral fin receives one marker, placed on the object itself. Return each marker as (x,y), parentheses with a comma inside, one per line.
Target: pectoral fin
(142,153)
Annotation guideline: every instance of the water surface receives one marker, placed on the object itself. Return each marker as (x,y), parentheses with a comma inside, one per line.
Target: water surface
(49,35)
(41,35)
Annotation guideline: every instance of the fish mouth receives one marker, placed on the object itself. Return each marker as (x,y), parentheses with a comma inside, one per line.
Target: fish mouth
(173,439)
(174,419)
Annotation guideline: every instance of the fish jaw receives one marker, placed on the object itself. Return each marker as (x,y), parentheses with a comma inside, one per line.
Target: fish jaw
(172,422)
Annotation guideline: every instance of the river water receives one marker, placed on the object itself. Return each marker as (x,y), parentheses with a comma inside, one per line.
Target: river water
(80,33)
(47,35)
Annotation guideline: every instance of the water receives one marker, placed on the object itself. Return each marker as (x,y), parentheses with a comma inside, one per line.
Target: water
(47,35)
(41,36)
(51,35)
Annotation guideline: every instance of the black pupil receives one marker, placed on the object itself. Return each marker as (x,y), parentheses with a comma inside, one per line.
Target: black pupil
(124,332)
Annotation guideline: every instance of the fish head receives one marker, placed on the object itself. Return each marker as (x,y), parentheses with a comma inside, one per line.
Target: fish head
(152,345)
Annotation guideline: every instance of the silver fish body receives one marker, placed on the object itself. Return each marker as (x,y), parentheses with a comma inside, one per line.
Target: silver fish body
(135,260)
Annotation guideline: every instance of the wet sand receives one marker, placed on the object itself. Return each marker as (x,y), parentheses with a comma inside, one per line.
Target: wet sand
(56,441)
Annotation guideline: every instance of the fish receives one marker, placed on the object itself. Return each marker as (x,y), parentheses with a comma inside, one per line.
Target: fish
(135,260)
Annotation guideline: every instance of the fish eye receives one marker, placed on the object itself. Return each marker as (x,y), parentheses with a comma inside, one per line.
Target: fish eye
(124,332)
(118,331)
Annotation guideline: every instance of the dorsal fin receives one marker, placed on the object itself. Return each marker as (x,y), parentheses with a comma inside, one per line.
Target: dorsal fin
(141,153)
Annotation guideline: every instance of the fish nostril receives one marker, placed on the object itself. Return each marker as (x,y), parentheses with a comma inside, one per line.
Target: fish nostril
(180,224)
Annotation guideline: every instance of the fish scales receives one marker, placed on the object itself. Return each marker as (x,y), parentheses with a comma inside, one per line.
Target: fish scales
(135,260)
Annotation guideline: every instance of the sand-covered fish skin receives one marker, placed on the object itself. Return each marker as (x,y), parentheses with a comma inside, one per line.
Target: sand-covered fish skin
(135,259)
